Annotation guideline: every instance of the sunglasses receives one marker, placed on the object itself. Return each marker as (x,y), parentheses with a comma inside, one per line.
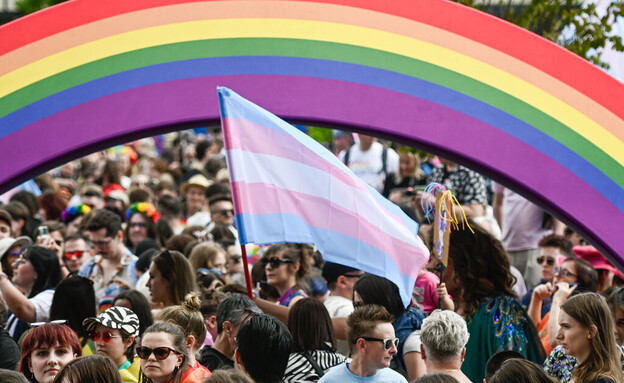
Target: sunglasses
(236,258)
(225,211)
(74,255)
(388,343)
(58,321)
(160,353)
(549,261)
(106,336)
(564,273)
(348,275)
(275,262)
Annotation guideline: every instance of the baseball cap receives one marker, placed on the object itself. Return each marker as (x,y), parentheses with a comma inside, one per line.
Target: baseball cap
(331,271)
(115,317)
(7,243)
(593,256)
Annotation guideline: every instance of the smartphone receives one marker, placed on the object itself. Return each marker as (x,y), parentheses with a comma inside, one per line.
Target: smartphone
(44,231)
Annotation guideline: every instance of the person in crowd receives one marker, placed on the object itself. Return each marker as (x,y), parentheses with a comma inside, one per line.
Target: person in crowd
(436,378)
(521,371)
(77,252)
(11,376)
(554,249)
(73,216)
(523,224)
(6,221)
(209,256)
(91,369)
(586,332)
(481,288)
(74,301)
(113,267)
(606,271)
(263,341)
(222,210)
(114,332)
(190,320)
(91,195)
(228,376)
(575,275)
(372,289)
(444,336)
(35,275)
(9,351)
(195,209)
(496,361)
(209,302)
(46,349)
(142,218)
(10,249)
(314,342)
(170,210)
(371,161)
(52,204)
(137,302)
(429,293)
(171,278)
(373,344)
(234,261)
(285,264)
(20,218)
(163,354)
(410,174)
(231,312)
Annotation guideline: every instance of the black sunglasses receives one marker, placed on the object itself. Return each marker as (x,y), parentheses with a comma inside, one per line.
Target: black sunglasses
(160,353)
(388,343)
(549,261)
(275,262)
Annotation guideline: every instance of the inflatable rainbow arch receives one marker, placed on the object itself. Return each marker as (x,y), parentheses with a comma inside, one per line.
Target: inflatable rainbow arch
(89,73)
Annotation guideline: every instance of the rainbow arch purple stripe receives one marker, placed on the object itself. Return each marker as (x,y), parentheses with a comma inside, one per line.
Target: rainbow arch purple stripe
(548,125)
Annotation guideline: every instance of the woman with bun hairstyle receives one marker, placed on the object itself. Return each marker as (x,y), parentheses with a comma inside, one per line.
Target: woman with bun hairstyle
(190,320)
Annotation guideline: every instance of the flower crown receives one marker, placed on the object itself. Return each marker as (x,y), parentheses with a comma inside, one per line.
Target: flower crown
(143,207)
(72,212)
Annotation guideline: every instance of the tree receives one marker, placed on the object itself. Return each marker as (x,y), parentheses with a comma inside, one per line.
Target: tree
(573,24)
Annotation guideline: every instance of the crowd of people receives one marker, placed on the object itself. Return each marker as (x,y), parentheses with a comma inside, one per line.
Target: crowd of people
(125,266)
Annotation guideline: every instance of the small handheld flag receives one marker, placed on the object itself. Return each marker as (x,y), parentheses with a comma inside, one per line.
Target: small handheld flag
(286,187)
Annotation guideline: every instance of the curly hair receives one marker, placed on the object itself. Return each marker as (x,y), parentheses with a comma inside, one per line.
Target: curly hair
(484,266)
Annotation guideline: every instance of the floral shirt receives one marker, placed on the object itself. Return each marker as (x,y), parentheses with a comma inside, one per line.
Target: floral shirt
(560,365)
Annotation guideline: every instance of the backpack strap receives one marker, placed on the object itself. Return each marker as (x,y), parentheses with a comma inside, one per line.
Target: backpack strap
(317,368)
(384,161)
(346,157)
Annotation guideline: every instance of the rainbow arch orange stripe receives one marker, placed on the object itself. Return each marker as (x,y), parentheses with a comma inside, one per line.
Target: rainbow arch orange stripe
(87,73)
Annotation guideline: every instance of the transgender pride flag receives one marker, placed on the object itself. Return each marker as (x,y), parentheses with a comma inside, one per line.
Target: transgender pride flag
(289,188)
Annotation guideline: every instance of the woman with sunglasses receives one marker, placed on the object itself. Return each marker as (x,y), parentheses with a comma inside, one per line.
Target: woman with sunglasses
(163,353)
(575,275)
(114,332)
(36,273)
(46,349)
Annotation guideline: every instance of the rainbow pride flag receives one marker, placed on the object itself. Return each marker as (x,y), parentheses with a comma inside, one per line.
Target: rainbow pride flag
(289,188)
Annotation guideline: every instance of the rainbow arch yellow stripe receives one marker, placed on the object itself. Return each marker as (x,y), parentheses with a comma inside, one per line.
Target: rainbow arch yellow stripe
(532,114)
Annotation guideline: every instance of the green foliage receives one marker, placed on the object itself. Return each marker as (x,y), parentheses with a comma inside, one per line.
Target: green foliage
(321,135)
(29,6)
(572,24)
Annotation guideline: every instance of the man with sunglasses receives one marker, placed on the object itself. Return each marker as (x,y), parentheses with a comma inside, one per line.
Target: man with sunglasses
(372,342)
(340,281)
(76,253)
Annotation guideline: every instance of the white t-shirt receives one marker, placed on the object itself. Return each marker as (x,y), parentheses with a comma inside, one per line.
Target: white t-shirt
(339,307)
(368,165)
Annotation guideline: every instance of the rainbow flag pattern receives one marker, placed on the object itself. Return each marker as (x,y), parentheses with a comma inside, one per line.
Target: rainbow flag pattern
(89,74)
(289,188)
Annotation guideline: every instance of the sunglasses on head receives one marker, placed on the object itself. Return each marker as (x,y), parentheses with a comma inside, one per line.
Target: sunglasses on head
(549,261)
(275,262)
(106,336)
(74,255)
(388,343)
(160,353)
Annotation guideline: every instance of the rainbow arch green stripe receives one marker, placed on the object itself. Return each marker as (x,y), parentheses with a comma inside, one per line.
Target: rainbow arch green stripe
(150,66)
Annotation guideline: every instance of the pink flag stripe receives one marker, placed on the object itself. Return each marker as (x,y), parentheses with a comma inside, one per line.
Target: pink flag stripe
(326,215)
(294,176)
(261,139)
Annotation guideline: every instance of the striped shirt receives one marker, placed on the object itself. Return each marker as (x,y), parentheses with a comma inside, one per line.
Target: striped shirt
(299,369)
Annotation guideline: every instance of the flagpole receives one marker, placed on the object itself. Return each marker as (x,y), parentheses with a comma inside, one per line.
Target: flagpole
(247,275)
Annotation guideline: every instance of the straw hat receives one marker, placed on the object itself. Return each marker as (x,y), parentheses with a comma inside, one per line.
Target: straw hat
(197,180)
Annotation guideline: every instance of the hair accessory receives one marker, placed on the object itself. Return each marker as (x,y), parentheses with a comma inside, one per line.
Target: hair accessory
(72,212)
(143,207)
